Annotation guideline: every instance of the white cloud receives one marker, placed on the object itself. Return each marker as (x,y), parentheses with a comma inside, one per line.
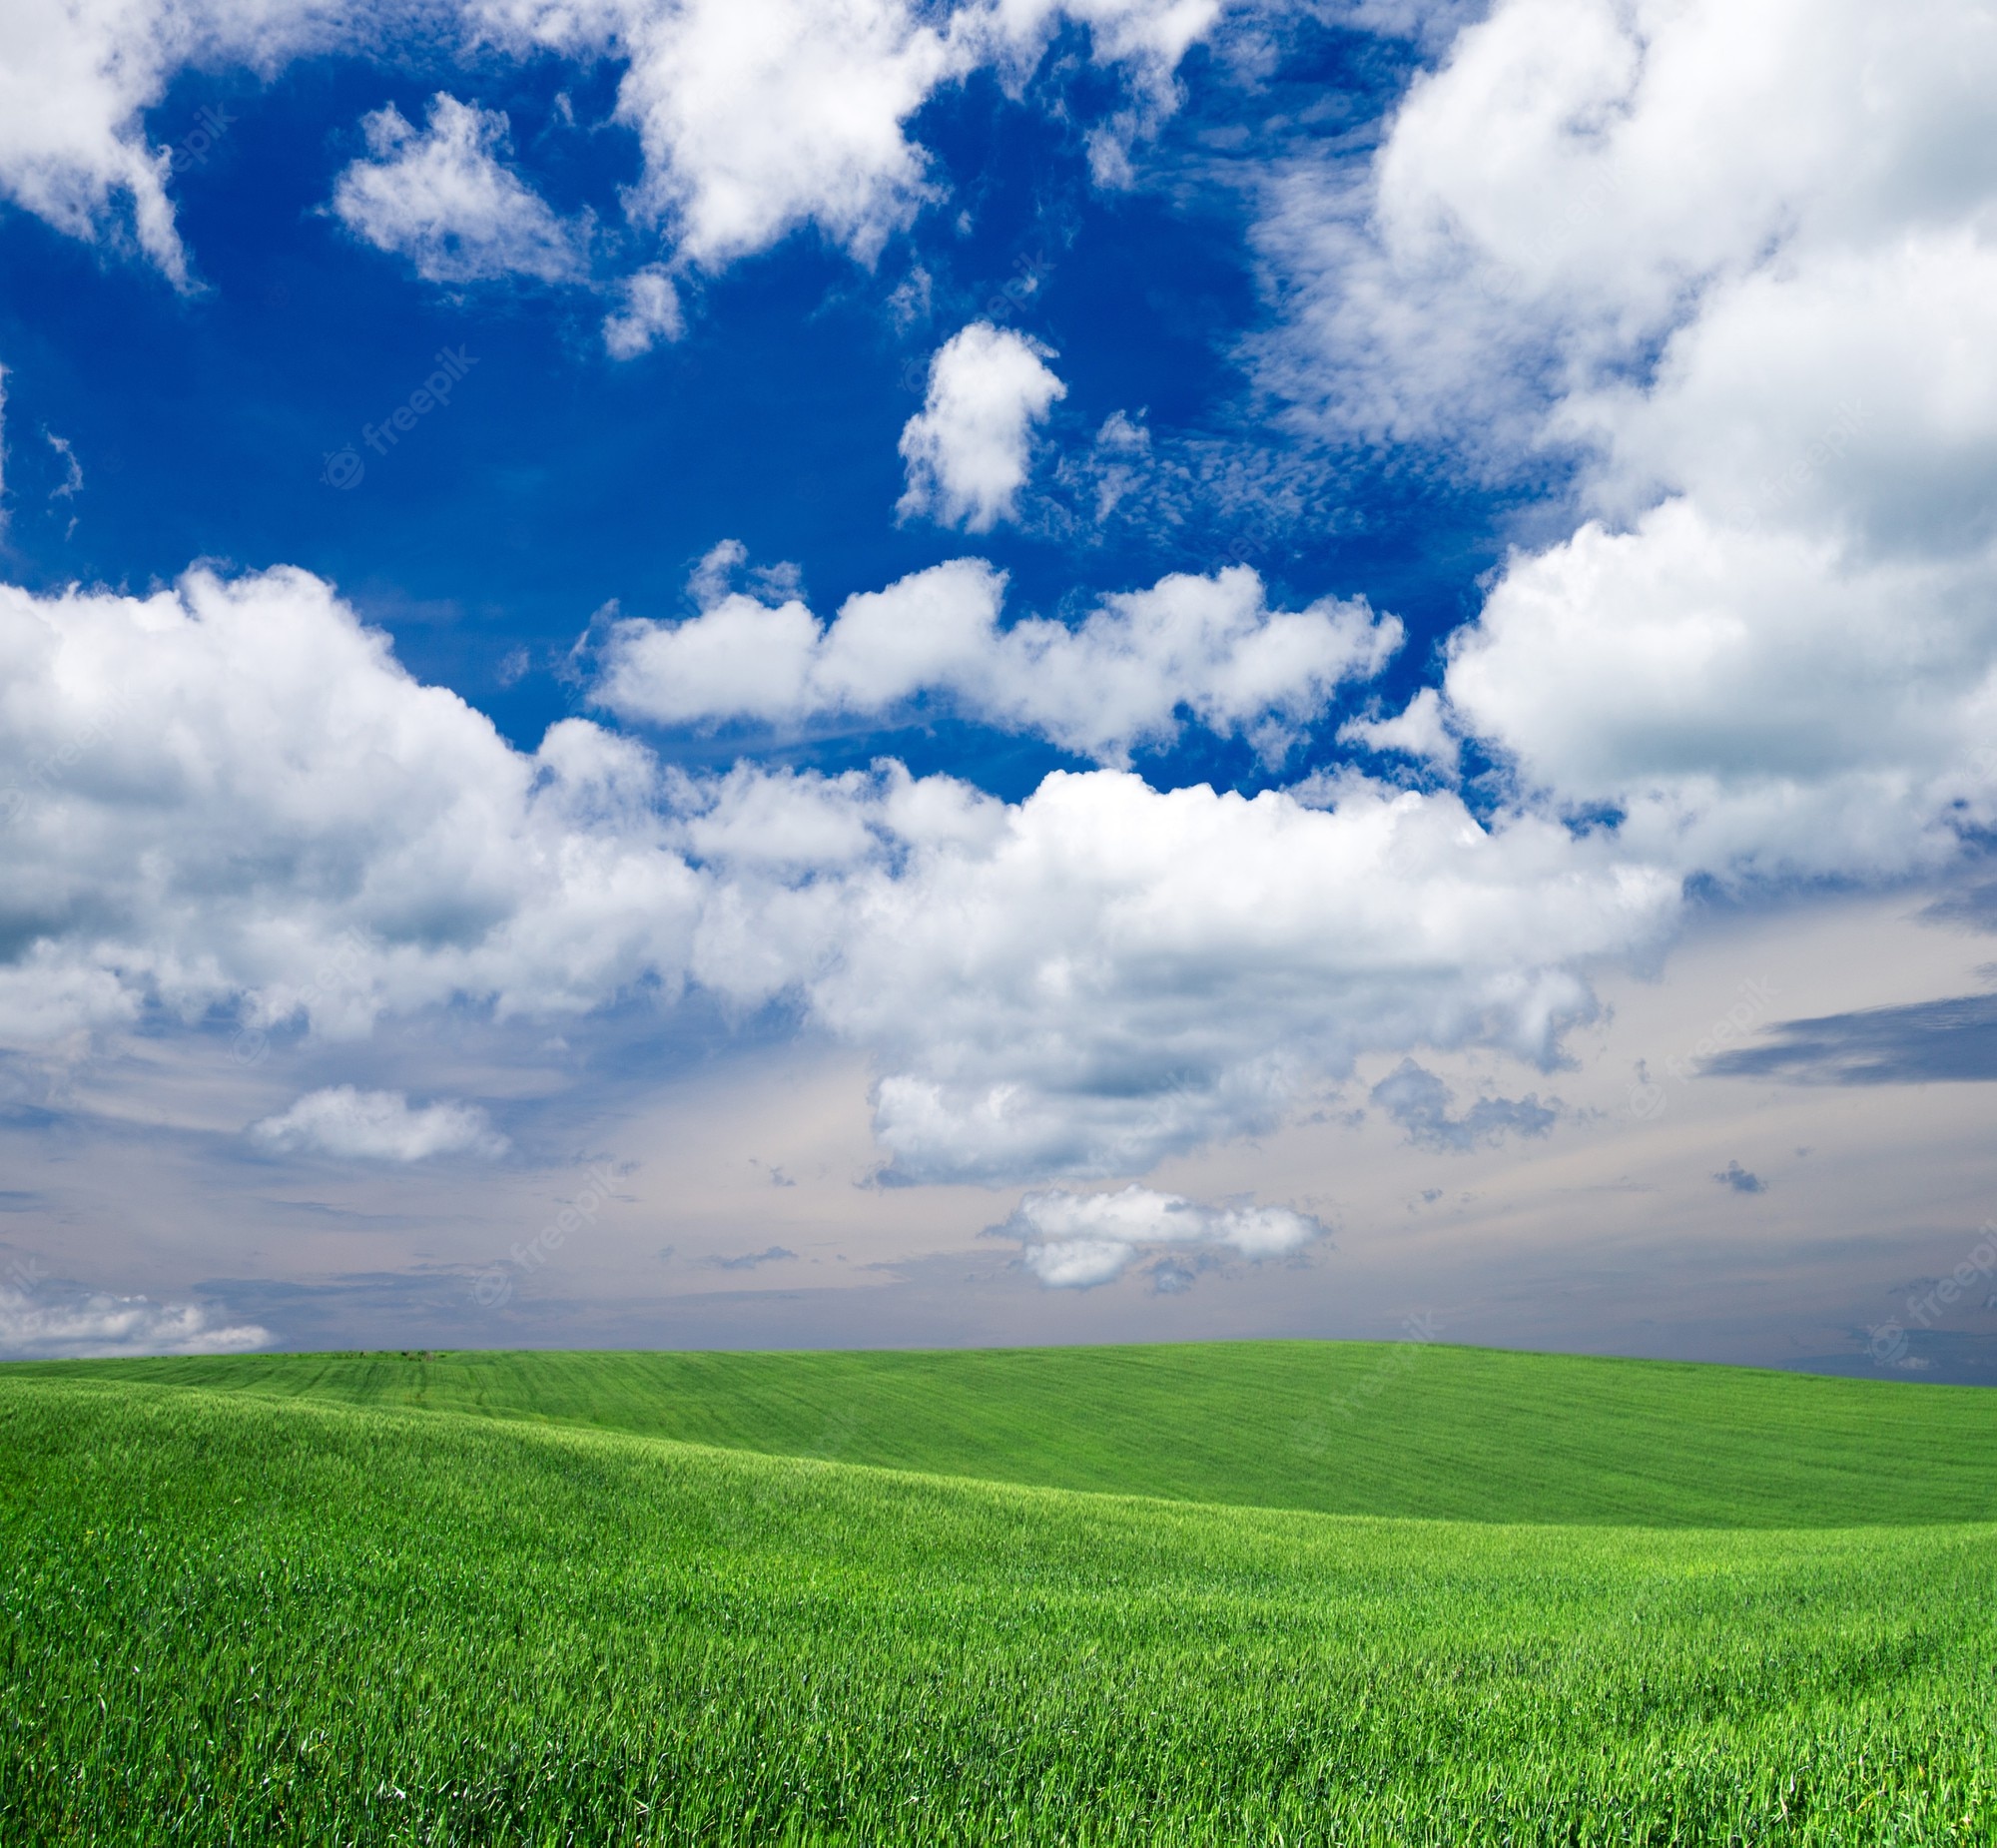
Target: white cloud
(1104,973)
(1210,648)
(1076,1240)
(218,792)
(1420,730)
(739,658)
(444,200)
(76,77)
(1555,195)
(1752,701)
(378,1127)
(1740,266)
(651,312)
(969,447)
(51,1322)
(232,796)
(72,482)
(756,117)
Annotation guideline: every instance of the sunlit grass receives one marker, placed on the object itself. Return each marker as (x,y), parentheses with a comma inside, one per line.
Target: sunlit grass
(234,1618)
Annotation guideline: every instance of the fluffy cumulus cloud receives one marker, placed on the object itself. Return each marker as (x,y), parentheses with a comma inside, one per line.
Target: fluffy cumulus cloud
(1207,647)
(1752,700)
(756,117)
(231,798)
(1420,730)
(230,793)
(1576,175)
(650,313)
(970,448)
(1738,267)
(351,1124)
(1106,974)
(1072,1241)
(753,117)
(50,1321)
(444,200)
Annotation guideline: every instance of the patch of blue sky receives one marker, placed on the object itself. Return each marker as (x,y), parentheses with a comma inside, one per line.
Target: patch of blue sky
(252,419)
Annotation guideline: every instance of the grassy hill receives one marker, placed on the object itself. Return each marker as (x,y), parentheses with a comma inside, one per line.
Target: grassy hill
(1340,1427)
(231,1618)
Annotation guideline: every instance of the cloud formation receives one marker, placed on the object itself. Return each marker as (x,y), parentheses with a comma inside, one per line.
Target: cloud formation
(358,1125)
(750,1260)
(758,117)
(76,77)
(753,117)
(1075,1241)
(1419,1103)
(1756,332)
(1419,730)
(444,200)
(1736,266)
(1208,648)
(1106,974)
(50,1321)
(230,793)
(231,796)
(969,447)
(1951,1041)
(651,314)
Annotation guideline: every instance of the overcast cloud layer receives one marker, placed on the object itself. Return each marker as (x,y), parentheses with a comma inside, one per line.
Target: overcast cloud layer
(1097,858)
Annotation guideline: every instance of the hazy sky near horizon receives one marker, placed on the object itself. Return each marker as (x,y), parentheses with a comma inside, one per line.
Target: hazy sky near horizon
(719,672)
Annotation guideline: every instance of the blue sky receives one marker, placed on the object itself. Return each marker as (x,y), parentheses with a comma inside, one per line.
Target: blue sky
(1014,670)
(562,480)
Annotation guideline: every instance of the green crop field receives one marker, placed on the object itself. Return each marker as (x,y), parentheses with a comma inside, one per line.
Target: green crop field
(1283,1592)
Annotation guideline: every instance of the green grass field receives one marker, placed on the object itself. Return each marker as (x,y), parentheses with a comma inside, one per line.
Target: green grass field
(504,1598)
(1347,1428)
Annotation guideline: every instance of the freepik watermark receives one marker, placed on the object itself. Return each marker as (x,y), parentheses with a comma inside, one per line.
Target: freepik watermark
(251,1044)
(1313,1436)
(493,1286)
(1030,273)
(194,148)
(1648,1098)
(1006,304)
(1887,1344)
(1781,486)
(347,467)
(48,769)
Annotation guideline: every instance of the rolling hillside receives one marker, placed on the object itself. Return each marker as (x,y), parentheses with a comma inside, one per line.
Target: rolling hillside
(1339,1427)
(228,1619)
